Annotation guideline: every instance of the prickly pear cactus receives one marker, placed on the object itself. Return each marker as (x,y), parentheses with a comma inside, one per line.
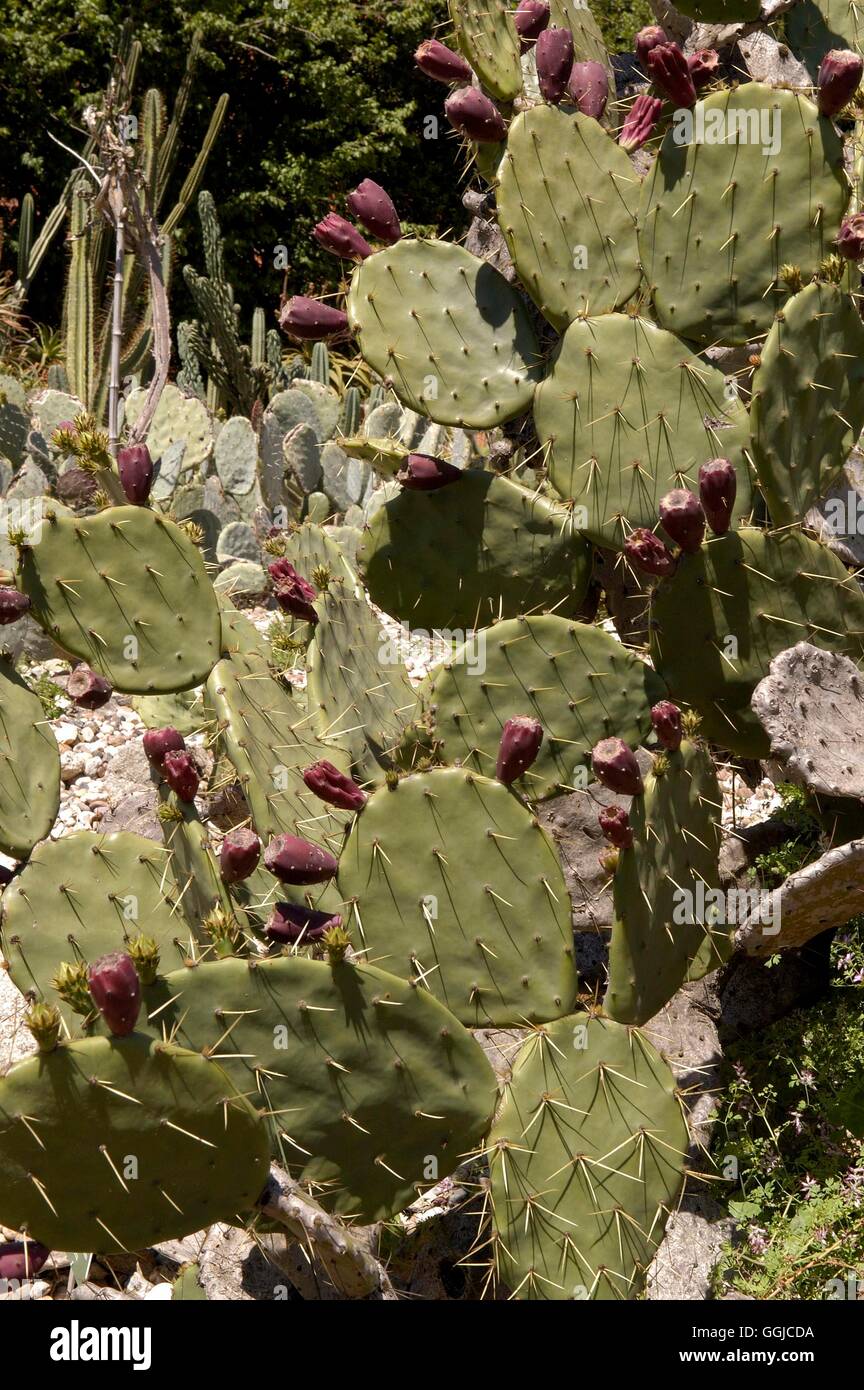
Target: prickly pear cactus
(29,767)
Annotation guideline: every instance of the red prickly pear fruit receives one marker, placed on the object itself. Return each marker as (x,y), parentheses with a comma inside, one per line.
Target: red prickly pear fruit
(554,54)
(309,320)
(135,467)
(704,66)
(87,689)
(588,88)
(473,114)
(530,19)
(668,70)
(649,37)
(683,519)
(838,79)
(238,855)
(520,743)
(158,742)
(291,924)
(116,990)
(615,825)
(180,773)
(374,208)
(339,236)
(332,786)
(20,1260)
(297,861)
(850,238)
(666,719)
(718,484)
(424,473)
(640,122)
(13,605)
(615,766)
(646,552)
(438,61)
(292,592)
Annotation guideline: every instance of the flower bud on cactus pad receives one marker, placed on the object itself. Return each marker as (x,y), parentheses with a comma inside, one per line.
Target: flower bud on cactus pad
(158,742)
(298,861)
(437,60)
(20,1260)
(718,484)
(666,719)
(309,319)
(12,605)
(554,54)
(588,88)
(473,114)
(850,238)
(374,208)
(520,743)
(334,787)
(683,519)
(238,855)
(424,473)
(615,765)
(668,70)
(116,991)
(649,37)
(615,825)
(181,775)
(646,552)
(291,923)
(704,66)
(341,237)
(292,592)
(640,122)
(135,467)
(530,19)
(837,82)
(87,689)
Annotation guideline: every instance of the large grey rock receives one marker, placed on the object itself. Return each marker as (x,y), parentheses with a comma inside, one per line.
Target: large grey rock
(689,1252)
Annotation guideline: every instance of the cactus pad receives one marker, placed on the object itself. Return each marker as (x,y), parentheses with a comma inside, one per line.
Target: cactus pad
(29,767)
(487,37)
(178,419)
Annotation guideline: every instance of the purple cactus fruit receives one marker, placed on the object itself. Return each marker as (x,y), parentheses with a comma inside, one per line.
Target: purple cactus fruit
(291,924)
(718,484)
(87,689)
(238,855)
(704,67)
(292,592)
(850,238)
(13,605)
(374,208)
(76,487)
(309,320)
(646,552)
(531,18)
(298,861)
(588,88)
(668,70)
(615,766)
(554,54)
(615,825)
(837,81)
(158,742)
(440,62)
(473,114)
(520,743)
(332,786)
(424,473)
(135,467)
(683,519)
(116,991)
(640,122)
(20,1260)
(666,719)
(649,37)
(181,775)
(339,236)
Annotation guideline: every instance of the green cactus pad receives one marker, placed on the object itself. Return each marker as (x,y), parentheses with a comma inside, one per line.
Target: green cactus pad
(186,711)
(808,400)
(14,421)
(29,767)
(627,413)
(587,1159)
(580,683)
(127,592)
(446,329)
(812,30)
(765,590)
(235,456)
(451,881)
(72,1120)
(487,36)
(719,220)
(178,419)
(676,843)
(567,199)
(479,549)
